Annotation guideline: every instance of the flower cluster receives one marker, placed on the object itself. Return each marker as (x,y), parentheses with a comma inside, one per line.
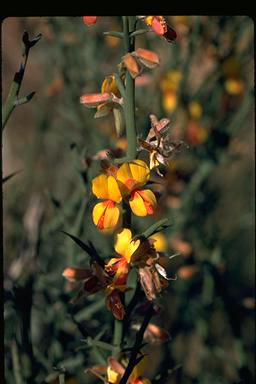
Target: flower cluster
(143,255)
(125,183)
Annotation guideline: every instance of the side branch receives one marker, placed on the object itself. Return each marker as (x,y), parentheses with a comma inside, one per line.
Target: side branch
(12,98)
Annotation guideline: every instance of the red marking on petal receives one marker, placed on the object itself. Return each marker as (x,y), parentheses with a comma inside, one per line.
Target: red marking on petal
(108,205)
(130,183)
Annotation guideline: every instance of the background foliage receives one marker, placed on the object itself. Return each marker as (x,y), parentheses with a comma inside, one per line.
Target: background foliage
(208,195)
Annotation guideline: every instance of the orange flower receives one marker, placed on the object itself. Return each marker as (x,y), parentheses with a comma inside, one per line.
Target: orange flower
(196,133)
(160,27)
(135,61)
(90,20)
(107,100)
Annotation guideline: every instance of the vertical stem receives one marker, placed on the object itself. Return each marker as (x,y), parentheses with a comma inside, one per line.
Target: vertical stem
(129,102)
(129,110)
(118,336)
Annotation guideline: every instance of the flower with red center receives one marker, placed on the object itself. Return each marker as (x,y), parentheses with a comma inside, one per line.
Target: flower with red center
(131,177)
(160,27)
(106,214)
(125,247)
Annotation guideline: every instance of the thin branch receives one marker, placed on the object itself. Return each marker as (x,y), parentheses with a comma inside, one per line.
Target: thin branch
(12,99)
(133,361)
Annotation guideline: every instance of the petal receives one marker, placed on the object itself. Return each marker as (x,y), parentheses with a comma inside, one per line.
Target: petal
(138,369)
(106,215)
(131,248)
(147,284)
(109,85)
(148,58)
(159,25)
(122,239)
(100,186)
(114,190)
(143,202)
(97,213)
(124,173)
(111,216)
(131,64)
(76,274)
(137,205)
(112,376)
(140,171)
(153,160)
(124,246)
(160,243)
(90,20)
(95,99)
(114,304)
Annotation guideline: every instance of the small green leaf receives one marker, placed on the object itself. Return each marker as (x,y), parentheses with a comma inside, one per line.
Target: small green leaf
(114,34)
(139,32)
(154,228)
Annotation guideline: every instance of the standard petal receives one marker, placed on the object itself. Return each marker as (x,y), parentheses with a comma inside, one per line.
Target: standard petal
(131,248)
(124,173)
(113,190)
(140,171)
(122,239)
(100,186)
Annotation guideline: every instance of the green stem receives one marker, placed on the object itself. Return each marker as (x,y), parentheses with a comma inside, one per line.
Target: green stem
(129,112)
(129,100)
(16,363)
(118,337)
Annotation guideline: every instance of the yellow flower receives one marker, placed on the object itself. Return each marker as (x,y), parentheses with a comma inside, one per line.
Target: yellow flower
(160,243)
(106,215)
(234,86)
(195,109)
(115,371)
(106,187)
(131,177)
(112,376)
(109,85)
(171,81)
(124,245)
(169,101)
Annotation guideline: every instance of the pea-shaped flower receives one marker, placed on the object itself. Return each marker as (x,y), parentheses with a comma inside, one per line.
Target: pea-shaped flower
(131,177)
(106,214)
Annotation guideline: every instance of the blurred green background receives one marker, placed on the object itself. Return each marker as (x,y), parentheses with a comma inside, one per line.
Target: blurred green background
(205,86)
